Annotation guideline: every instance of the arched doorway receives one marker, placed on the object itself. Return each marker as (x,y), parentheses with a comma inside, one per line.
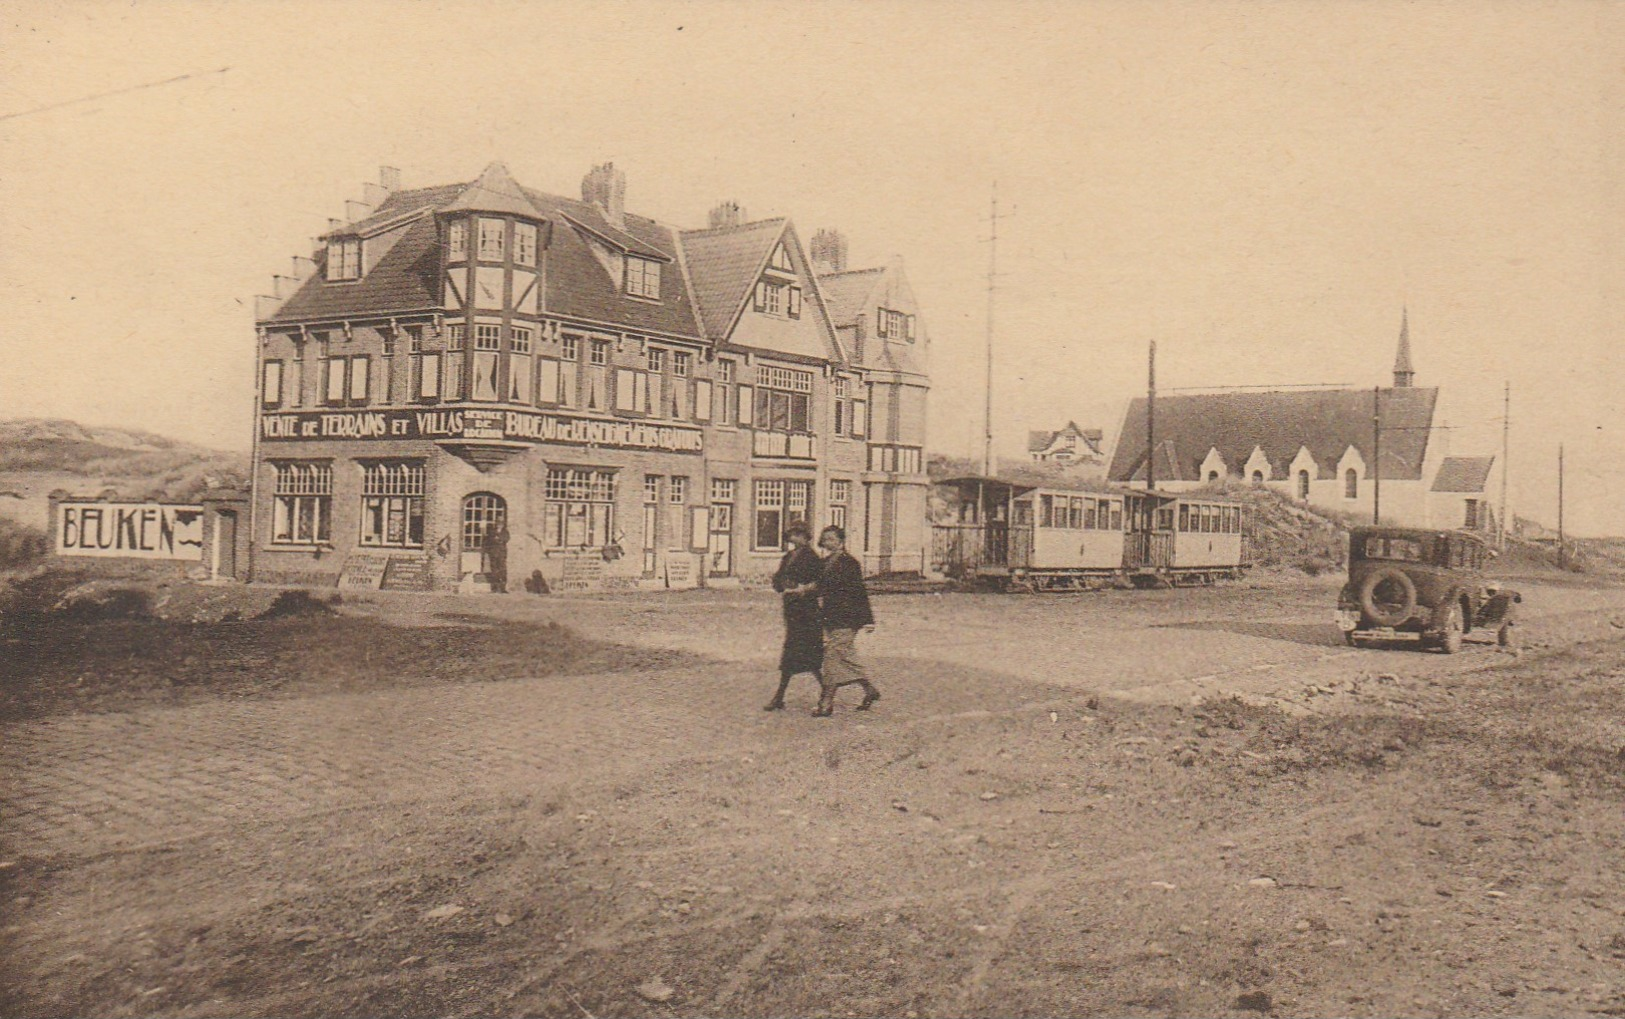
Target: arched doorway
(482,511)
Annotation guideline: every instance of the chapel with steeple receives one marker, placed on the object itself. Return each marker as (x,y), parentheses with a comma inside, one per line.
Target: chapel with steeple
(1332,448)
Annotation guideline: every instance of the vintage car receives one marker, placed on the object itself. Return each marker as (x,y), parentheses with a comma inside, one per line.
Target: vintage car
(1426,585)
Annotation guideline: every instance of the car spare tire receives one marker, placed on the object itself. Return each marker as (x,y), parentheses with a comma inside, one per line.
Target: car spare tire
(1387,596)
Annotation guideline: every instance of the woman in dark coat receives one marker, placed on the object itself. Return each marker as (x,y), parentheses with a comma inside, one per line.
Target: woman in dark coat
(797,582)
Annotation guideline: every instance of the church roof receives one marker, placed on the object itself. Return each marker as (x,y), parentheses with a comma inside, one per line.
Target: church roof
(1325,421)
(1463,474)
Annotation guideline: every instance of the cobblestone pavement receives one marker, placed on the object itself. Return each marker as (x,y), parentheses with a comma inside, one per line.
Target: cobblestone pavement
(87,784)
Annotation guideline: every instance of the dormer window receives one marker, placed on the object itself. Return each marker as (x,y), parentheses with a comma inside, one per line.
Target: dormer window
(492,234)
(642,277)
(344,259)
(778,299)
(457,241)
(895,325)
(524,243)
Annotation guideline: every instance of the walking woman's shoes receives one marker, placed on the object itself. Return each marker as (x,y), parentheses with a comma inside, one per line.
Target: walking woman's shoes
(868,699)
(773,705)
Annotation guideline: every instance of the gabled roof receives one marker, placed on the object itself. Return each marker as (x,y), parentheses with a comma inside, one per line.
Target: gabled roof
(403,280)
(401,203)
(1463,474)
(1325,421)
(723,265)
(591,219)
(848,292)
(1038,441)
(578,286)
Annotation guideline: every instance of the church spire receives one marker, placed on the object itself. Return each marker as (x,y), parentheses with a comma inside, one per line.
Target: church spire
(1403,372)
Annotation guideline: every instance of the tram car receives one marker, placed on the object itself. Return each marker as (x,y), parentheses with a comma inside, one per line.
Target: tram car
(1016,536)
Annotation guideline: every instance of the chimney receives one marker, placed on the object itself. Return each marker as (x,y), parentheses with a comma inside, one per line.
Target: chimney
(605,187)
(374,194)
(303,268)
(355,211)
(389,178)
(828,252)
(727,214)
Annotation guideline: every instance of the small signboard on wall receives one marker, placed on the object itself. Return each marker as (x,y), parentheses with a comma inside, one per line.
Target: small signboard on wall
(363,571)
(680,573)
(583,571)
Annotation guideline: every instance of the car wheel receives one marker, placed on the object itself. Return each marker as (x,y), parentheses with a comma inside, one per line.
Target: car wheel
(1450,643)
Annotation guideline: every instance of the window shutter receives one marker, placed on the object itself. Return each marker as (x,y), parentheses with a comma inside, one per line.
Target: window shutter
(880,321)
(860,415)
(271,394)
(360,368)
(429,381)
(795,302)
(624,390)
(911,328)
(641,401)
(702,400)
(747,407)
(548,387)
(335,379)
(761,297)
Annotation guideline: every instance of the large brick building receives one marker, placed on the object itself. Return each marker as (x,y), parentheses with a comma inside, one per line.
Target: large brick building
(637,403)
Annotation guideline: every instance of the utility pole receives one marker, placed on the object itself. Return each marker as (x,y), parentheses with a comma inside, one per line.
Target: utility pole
(992,277)
(1151,421)
(1376,455)
(1506,427)
(1562,545)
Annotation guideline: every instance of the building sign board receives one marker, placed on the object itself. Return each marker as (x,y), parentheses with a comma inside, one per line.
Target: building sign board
(478,424)
(129,530)
(363,571)
(680,570)
(583,571)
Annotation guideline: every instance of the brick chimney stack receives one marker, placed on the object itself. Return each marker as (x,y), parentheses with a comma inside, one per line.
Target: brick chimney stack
(727,214)
(605,187)
(828,252)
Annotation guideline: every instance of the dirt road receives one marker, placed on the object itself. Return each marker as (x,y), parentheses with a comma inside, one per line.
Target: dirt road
(1160,803)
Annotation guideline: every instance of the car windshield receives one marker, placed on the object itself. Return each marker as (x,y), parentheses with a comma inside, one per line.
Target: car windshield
(1407,550)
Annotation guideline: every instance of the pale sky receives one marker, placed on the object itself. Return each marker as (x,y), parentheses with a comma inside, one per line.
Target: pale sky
(1259,188)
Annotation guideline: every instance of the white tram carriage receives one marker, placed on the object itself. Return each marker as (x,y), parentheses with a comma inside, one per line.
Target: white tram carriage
(1047,538)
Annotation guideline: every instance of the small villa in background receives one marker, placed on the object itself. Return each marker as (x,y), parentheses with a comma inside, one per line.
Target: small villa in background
(1320,447)
(1069,445)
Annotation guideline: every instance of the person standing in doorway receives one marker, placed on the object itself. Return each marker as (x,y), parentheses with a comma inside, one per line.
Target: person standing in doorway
(797,582)
(843,612)
(496,556)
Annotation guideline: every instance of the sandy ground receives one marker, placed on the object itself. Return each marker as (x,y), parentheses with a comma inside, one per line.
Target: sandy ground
(1192,802)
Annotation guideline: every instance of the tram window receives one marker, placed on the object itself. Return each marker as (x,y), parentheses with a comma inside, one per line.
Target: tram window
(1117,516)
(1046,511)
(1076,523)
(1165,519)
(1089,510)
